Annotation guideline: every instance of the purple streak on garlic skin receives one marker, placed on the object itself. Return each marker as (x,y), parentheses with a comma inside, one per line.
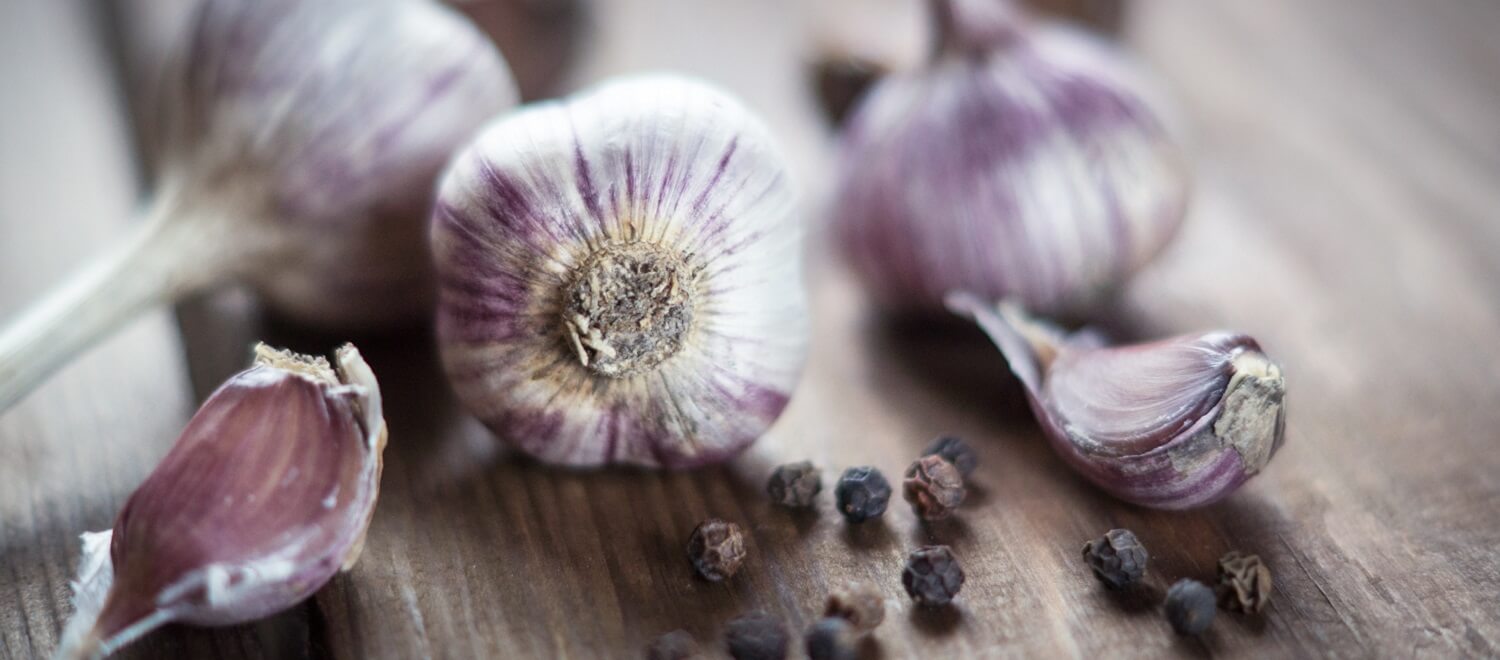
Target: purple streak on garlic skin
(1026,161)
(265,496)
(1172,424)
(657,168)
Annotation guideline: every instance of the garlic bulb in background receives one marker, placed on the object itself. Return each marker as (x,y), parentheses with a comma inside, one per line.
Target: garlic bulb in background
(1171,424)
(265,496)
(620,276)
(301,143)
(1023,162)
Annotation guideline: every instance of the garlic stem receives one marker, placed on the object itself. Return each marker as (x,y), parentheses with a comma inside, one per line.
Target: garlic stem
(972,26)
(167,256)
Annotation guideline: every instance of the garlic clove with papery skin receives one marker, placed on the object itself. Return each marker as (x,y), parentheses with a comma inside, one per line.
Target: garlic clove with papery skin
(265,496)
(1027,160)
(1171,424)
(300,143)
(620,276)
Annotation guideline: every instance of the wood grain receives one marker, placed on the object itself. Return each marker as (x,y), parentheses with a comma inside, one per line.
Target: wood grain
(1349,176)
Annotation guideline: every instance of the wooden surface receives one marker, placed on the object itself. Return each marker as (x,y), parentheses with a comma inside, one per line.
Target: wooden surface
(1347,214)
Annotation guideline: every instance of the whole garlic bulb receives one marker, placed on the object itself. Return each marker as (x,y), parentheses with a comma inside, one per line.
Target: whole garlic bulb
(620,276)
(1024,162)
(300,146)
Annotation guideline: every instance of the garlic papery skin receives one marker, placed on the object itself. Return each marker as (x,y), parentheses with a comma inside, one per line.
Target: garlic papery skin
(620,276)
(301,146)
(1171,424)
(1026,161)
(265,496)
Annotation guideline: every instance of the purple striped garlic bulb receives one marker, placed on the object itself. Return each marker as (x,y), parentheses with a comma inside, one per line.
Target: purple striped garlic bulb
(1172,424)
(263,499)
(301,146)
(620,276)
(1025,162)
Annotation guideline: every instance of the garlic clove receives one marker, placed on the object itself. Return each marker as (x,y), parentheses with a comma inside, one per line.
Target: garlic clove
(1026,161)
(1170,424)
(620,276)
(265,496)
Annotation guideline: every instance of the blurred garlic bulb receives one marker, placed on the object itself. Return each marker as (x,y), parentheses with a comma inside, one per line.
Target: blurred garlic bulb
(620,276)
(1024,162)
(1171,424)
(301,145)
(266,495)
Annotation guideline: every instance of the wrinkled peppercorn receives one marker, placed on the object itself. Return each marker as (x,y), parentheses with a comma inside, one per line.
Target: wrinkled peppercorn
(932,575)
(795,485)
(1190,607)
(756,636)
(675,645)
(832,638)
(862,494)
(1117,558)
(933,487)
(860,603)
(717,548)
(958,452)
(1244,583)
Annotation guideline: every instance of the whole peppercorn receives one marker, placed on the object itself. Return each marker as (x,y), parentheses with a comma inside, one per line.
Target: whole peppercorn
(717,548)
(933,487)
(862,494)
(932,575)
(795,485)
(675,645)
(860,603)
(1117,558)
(1190,607)
(756,636)
(1244,583)
(832,638)
(958,452)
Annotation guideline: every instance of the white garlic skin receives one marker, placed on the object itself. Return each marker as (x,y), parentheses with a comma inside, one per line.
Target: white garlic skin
(658,162)
(325,123)
(1025,162)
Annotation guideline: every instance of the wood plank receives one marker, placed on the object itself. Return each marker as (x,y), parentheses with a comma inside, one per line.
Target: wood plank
(1345,215)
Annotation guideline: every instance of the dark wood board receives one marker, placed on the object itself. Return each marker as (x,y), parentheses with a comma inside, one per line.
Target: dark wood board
(1347,213)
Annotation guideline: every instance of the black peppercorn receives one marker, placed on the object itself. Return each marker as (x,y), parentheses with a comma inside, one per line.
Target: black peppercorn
(1190,607)
(795,485)
(933,487)
(860,603)
(832,638)
(958,452)
(932,575)
(1244,583)
(675,645)
(717,548)
(1117,558)
(756,636)
(862,494)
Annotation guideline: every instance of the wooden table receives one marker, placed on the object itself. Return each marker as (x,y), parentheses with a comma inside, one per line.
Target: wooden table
(1347,214)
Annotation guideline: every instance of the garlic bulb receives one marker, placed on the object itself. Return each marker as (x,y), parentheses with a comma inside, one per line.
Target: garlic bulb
(302,142)
(1171,424)
(1024,162)
(265,496)
(620,276)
